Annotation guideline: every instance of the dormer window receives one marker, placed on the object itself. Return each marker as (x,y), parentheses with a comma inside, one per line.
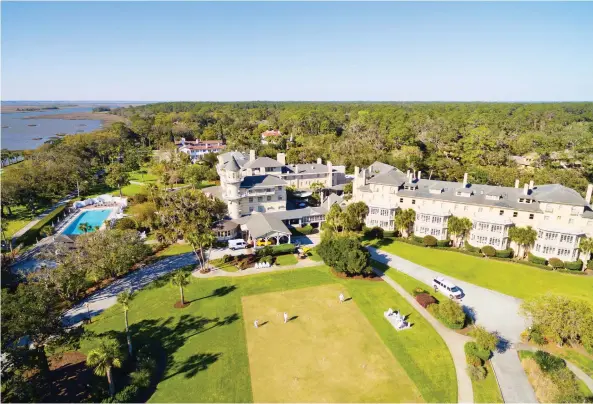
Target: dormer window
(436,191)
(465,194)
(410,187)
(493,197)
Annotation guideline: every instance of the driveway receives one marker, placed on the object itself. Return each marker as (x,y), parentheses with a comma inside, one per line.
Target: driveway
(107,297)
(497,312)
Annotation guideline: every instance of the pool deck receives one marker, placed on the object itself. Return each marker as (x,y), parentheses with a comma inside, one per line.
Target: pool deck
(111,215)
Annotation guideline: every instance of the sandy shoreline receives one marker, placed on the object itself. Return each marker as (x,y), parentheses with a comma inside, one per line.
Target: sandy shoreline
(105,118)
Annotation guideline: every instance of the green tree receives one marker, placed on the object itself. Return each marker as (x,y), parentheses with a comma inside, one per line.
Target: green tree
(524,237)
(334,217)
(124,299)
(200,242)
(180,279)
(104,358)
(460,228)
(358,211)
(194,174)
(345,254)
(117,176)
(484,339)
(586,246)
(404,221)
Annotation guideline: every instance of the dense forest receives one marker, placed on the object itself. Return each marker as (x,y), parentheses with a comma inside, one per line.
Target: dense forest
(443,140)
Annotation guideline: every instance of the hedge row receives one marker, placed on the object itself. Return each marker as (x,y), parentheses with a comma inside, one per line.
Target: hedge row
(30,237)
(556,263)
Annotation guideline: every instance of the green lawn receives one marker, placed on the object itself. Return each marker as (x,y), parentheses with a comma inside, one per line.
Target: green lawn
(20,217)
(144,176)
(287,365)
(406,281)
(510,278)
(224,266)
(203,347)
(131,190)
(175,249)
(487,391)
(286,259)
(313,255)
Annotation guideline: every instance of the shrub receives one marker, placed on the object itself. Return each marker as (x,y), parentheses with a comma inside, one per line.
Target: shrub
(473,360)
(472,348)
(471,248)
(556,263)
(30,236)
(485,340)
(425,300)
(568,387)
(268,259)
(477,373)
(536,335)
(590,264)
(536,260)
(388,234)
(443,243)
(574,265)
(488,251)
(227,258)
(418,240)
(125,223)
(548,363)
(267,250)
(508,253)
(138,198)
(282,249)
(305,230)
(127,395)
(449,313)
(346,255)
(375,233)
(429,241)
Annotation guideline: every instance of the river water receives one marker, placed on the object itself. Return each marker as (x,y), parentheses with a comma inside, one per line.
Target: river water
(18,134)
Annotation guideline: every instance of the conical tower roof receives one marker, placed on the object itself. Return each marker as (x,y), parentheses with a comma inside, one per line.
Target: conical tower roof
(232,165)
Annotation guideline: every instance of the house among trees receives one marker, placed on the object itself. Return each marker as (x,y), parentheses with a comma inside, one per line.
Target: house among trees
(560,215)
(528,160)
(270,136)
(196,149)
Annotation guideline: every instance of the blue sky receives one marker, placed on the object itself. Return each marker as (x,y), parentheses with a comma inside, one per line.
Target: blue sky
(297,51)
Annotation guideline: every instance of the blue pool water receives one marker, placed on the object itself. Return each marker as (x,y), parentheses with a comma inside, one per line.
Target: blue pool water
(92,217)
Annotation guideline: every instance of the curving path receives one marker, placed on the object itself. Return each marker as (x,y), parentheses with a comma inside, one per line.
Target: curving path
(454,341)
(497,312)
(107,297)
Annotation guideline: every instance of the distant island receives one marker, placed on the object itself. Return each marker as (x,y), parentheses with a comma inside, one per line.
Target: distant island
(33,108)
(106,118)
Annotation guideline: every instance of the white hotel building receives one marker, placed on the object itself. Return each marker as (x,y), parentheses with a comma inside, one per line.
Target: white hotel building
(560,215)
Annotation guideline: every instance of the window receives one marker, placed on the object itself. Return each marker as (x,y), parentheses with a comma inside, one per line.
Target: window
(251,209)
(558,217)
(279,188)
(250,199)
(548,250)
(515,214)
(465,208)
(260,198)
(531,215)
(269,198)
(546,217)
(501,212)
(435,232)
(565,238)
(480,209)
(280,198)
(564,251)
(496,228)
(494,241)
(570,221)
(401,200)
(413,201)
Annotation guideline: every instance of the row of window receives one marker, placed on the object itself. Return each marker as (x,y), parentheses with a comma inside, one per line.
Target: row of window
(427,231)
(551,236)
(261,198)
(561,252)
(381,223)
(482,226)
(381,212)
(429,218)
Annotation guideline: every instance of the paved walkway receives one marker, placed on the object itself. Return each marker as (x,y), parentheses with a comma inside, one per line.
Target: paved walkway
(107,297)
(497,312)
(46,212)
(454,341)
(253,271)
(588,380)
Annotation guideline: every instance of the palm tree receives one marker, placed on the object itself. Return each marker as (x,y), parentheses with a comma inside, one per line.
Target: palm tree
(124,299)
(180,279)
(524,237)
(199,242)
(586,247)
(404,220)
(460,227)
(104,358)
(85,227)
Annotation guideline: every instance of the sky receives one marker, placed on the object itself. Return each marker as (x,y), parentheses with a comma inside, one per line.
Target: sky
(198,51)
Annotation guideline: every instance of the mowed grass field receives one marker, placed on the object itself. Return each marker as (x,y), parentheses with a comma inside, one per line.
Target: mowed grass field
(327,352)
(202,349)
(513,279)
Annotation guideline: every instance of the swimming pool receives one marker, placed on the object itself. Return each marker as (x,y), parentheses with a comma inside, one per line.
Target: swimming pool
(91,217)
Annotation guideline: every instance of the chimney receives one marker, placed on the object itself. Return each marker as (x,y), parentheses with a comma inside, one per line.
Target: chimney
(356,172)
(330,170)
(517,183)
(531,185)
(281,157)
(364,177)
(251,155)
(464,180)
(408,175)
(526,189)
(589,193)
(419,175)
(318,160)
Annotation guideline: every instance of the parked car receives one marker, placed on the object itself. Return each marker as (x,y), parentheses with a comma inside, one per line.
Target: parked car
(237,244)
(447,288)
(263,243)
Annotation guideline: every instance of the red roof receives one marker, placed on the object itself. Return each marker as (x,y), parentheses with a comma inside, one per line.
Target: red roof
(271,133)
(205,147)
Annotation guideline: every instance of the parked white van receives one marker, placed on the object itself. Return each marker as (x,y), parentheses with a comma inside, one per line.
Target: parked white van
(237,244)
(442,285)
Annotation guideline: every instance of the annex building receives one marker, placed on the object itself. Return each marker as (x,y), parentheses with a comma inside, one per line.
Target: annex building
(560,215)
